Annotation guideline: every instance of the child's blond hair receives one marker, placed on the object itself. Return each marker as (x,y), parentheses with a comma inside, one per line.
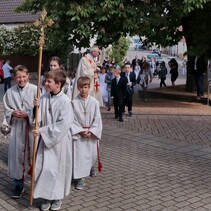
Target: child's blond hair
(82,81)
(21,68)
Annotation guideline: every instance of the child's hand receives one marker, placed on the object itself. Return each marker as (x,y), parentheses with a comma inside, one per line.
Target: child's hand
(36,102)
(36,132)
(19,114)
(89,134)
(86,134)
(83,134)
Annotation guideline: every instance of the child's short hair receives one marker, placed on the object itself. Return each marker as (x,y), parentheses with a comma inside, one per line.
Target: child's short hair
(127,63)
(21,68)
(82,81)
(57,75)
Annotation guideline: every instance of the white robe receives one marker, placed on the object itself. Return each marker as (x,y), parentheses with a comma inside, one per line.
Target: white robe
(103,87)
(53,169)
(87,67)
(85,150)
(17,98)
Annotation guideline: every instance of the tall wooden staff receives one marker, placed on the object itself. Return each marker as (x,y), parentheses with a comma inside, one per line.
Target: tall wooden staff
(43,22)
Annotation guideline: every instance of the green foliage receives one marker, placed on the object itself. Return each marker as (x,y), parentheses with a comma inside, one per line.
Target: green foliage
(191,5)
(21,40)
(79,21)
(120,49)
(24,40)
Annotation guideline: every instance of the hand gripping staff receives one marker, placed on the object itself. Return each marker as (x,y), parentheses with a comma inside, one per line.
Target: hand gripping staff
(42,23)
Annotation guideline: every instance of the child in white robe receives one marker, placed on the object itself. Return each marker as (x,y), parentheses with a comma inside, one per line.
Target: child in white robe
(86,131)
(53,167)
(55,64)
(103,85)
(18,102)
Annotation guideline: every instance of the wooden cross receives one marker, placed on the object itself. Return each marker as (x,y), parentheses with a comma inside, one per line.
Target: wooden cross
(43,22)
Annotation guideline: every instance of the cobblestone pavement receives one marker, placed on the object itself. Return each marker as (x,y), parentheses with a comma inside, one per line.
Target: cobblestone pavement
(158,159)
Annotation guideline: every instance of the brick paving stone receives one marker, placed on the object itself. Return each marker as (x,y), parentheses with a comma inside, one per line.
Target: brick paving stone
(156,208)
(197,205)
(200,209)
(182,204)
(150,162)
(186,209)
(171,208)
(208,206)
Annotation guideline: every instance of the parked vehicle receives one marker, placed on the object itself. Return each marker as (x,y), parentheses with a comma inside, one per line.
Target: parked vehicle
(1,71)
(156,51)
(152,55)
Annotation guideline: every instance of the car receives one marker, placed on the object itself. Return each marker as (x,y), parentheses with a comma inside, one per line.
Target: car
(156,51)
(138,47)
(152,55)
(1,71)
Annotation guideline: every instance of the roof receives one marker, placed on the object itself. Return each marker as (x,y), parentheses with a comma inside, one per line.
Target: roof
(8,16)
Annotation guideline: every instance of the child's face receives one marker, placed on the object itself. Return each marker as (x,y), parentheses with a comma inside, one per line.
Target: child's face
(54,65)
(103,70)
(127,68)
(117,72)
(21,78)
(51,86)
(84,90)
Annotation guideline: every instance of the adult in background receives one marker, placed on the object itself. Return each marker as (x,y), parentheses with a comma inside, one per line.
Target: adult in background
(136,60)
(198,65)
(145,76)
(7,75)
(173,70)
(88,67)
(162,73)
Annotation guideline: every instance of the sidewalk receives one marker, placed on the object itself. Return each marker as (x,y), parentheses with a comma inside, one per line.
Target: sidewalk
(158,159)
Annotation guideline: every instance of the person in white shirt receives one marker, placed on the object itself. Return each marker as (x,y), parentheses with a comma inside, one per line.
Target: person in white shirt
(7,75)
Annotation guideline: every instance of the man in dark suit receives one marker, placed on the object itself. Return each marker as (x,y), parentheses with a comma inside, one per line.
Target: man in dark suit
(118,92)
(136,60)
(198,65)
(131,82)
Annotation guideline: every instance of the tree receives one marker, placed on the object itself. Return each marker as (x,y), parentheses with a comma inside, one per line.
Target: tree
(23,40)
(158,20)
(120,49)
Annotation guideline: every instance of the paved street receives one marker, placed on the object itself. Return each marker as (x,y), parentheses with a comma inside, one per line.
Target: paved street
(158,159)
(145,167)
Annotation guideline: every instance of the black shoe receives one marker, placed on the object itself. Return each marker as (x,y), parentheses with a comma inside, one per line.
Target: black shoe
(130,113)
(92,172)
(18,192)
(108,109)
(116,117)
(121,120)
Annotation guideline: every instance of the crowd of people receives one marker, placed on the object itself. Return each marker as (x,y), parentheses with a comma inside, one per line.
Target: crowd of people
(69,119)
(68,133)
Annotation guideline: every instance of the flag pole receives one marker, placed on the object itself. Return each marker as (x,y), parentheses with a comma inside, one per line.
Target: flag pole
(42,23)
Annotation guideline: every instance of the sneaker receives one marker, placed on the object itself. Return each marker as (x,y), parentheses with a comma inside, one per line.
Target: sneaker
(56,204)
(92,172)
(80,184)
(130,113)
(46,205)
(18,192)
